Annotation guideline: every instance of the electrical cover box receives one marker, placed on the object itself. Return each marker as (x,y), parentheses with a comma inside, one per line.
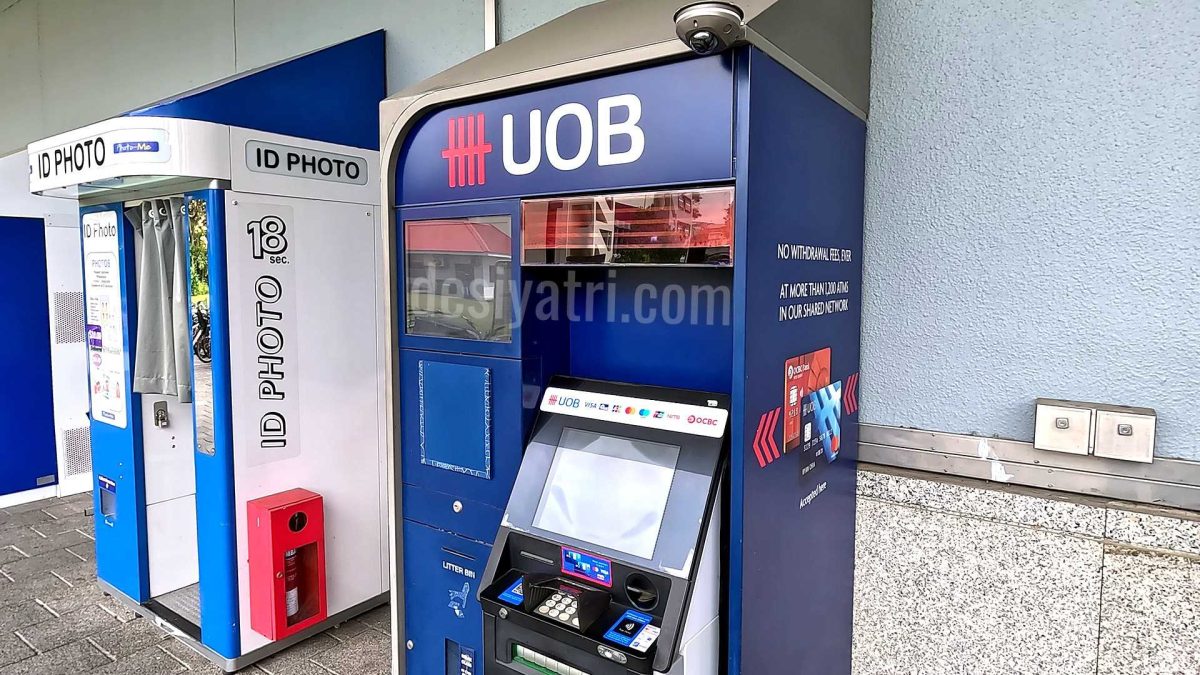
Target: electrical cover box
(1063,426)
(287,562)
(1125,434)
(1109,431)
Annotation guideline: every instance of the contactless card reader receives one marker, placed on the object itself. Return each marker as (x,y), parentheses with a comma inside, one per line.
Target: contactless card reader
(608,558)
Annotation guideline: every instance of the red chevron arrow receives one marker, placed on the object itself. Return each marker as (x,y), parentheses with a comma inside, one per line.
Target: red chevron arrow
(771,432)
(762,461)
(850,397)
(765,448)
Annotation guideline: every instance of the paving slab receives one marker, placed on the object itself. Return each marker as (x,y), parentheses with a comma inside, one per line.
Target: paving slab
(68,628)
(298,660)
(13,649)
(379,618)
(55,620)
(16,617)
(144,661)
(71,659)
(128,638)
(368,653)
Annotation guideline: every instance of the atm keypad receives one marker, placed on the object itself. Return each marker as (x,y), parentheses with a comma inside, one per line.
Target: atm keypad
(563,607)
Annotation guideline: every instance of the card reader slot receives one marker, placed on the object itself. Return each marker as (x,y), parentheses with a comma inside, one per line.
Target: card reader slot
(547,561)
(541,664)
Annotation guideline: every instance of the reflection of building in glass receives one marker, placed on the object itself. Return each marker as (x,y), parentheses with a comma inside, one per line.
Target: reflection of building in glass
(691,227)
(456,276)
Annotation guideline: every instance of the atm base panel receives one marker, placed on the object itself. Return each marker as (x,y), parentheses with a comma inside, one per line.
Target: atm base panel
(232,665)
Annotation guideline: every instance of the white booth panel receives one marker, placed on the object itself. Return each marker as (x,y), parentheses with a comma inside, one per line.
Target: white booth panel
(168,453)
(68,353)
(171,545)
(329,265)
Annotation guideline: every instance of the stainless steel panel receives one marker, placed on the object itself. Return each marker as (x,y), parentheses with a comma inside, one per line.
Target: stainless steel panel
(1124,436)
(1062,428)
(1166,482)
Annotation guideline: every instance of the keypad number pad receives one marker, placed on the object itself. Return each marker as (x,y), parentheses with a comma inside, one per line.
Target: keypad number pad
(563,607)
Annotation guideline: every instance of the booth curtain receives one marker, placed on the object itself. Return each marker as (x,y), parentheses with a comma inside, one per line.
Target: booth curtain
(163,362)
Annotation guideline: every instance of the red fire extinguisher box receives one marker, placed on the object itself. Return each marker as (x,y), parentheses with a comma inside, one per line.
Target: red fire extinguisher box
(287,562)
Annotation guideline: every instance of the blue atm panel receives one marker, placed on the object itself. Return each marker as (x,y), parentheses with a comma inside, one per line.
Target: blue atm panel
(458,437)
(800,222)
(445,621)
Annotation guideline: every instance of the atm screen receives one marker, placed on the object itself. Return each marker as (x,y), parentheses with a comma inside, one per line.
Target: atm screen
(608,491)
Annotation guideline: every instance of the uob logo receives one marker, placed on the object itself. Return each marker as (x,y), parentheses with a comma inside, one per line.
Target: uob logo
(614,117)
(827,415)
(467,150)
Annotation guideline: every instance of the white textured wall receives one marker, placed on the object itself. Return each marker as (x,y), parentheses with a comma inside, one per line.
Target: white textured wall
(15,199)
(519,16)
(1033,213)
(67,63)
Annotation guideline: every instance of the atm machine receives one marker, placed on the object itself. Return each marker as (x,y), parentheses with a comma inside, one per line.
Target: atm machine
(609,555)
(626,253)
(233,323)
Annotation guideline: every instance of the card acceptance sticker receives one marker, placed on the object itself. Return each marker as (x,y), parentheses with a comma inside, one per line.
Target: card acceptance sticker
(633,630)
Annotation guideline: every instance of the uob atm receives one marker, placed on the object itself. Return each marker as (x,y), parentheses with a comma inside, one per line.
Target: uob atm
(627,265)
(231,266)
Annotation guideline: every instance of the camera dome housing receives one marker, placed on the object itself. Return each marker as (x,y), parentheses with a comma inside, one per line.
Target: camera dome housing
(709,27)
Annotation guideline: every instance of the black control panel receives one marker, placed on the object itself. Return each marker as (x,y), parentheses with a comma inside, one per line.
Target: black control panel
(614,624)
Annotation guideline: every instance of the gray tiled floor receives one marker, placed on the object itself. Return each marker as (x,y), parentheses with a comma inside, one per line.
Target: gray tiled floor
(54,620)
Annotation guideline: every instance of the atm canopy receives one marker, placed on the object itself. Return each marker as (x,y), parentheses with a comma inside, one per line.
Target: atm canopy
(827,42)
(329,95)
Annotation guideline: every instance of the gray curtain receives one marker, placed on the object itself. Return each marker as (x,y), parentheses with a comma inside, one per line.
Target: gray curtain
(163,360)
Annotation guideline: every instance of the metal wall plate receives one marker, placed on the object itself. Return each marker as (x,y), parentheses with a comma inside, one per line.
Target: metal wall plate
(1062,428)
(1166,482)
(1124,436)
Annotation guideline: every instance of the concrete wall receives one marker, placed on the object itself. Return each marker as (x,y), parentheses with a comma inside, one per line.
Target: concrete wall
(1033,217)
(66,63)
(959,578)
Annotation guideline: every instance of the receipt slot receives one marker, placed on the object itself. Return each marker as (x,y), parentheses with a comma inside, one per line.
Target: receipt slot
(626,310)
(231,266)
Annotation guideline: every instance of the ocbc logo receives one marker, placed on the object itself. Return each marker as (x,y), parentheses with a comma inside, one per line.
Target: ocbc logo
(707,421)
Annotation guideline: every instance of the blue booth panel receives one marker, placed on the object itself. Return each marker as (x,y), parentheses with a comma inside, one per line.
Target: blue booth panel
(120,498)
(452,512)
(27,458)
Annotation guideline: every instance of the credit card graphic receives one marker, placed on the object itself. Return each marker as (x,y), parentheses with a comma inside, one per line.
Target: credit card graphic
(803,375)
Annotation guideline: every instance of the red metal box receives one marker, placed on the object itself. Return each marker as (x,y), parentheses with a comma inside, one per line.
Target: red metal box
(287,562)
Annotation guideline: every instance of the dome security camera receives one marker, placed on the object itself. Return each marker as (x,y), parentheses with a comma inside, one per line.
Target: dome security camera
(709,27)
